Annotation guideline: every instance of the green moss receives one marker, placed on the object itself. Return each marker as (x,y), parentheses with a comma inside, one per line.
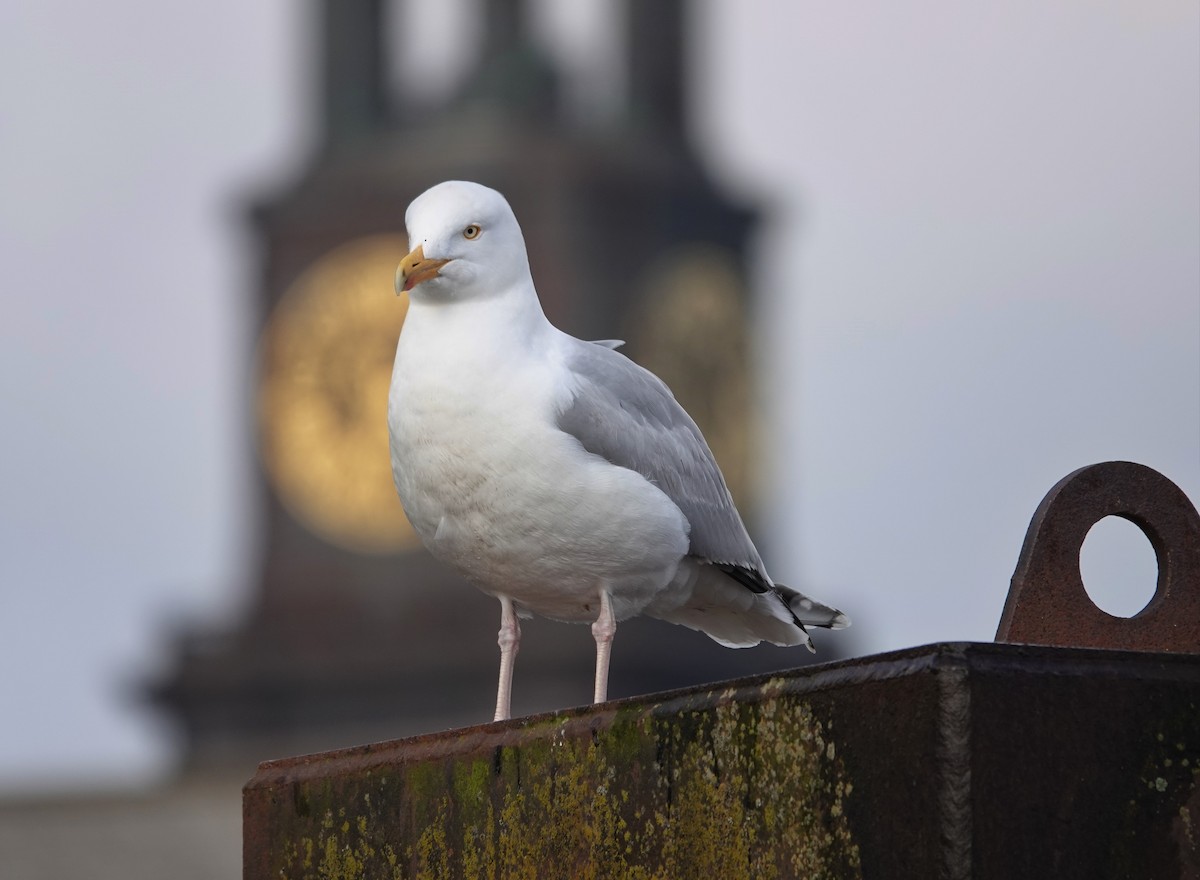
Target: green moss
(472,781)
(1167,791)
(743,789)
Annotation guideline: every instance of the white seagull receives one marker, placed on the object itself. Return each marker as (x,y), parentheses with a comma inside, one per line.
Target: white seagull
(556,474)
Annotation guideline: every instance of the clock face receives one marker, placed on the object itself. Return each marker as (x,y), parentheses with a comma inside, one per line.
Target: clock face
(325,366)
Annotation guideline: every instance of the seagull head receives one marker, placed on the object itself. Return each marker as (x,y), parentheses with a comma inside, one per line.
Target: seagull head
(465,242)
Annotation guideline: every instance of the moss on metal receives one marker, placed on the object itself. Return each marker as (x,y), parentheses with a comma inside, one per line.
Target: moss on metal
(736,790)
(1167,787)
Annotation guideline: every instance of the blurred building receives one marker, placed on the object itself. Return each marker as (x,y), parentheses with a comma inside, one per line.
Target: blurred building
(354,633)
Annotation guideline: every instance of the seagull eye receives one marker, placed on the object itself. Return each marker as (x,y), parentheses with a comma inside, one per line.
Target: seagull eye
(472,232)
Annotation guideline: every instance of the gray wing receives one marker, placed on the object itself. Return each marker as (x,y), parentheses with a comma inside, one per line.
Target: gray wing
(626,414)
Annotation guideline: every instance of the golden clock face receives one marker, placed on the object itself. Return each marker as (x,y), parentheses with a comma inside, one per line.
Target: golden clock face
(325,367)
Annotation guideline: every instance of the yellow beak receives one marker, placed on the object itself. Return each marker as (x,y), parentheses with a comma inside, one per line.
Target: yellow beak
(415,269)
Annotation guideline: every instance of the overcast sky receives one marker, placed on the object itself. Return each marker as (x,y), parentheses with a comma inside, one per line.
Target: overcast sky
(980,270)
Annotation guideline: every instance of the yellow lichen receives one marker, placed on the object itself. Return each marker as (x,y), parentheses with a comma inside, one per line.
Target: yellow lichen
(732,791)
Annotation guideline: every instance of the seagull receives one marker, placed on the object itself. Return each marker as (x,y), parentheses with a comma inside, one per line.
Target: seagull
(556,474)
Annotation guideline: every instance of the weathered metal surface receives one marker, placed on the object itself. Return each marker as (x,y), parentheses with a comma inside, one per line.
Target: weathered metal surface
(1047,602)
(953,761)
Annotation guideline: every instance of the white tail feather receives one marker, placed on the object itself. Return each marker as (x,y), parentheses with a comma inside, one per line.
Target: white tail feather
(729,613)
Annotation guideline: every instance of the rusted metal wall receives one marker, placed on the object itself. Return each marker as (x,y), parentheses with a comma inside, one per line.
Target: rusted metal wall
(955,760)
(951,761)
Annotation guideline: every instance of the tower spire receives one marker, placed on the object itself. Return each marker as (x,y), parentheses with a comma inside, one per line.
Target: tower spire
(654,47)
(353,98)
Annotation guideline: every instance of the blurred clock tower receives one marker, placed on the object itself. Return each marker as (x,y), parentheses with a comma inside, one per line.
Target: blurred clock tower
(354,633)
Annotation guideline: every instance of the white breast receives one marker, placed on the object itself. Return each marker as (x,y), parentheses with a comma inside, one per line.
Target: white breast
(494,488)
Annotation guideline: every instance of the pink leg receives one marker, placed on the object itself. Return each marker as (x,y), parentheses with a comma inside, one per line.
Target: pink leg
(509,641)
(603,631)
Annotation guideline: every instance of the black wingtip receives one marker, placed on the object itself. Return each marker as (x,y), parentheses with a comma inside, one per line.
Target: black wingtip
(749,578)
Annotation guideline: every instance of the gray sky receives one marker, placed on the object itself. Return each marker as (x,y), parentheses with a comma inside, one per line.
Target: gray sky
(980,271)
